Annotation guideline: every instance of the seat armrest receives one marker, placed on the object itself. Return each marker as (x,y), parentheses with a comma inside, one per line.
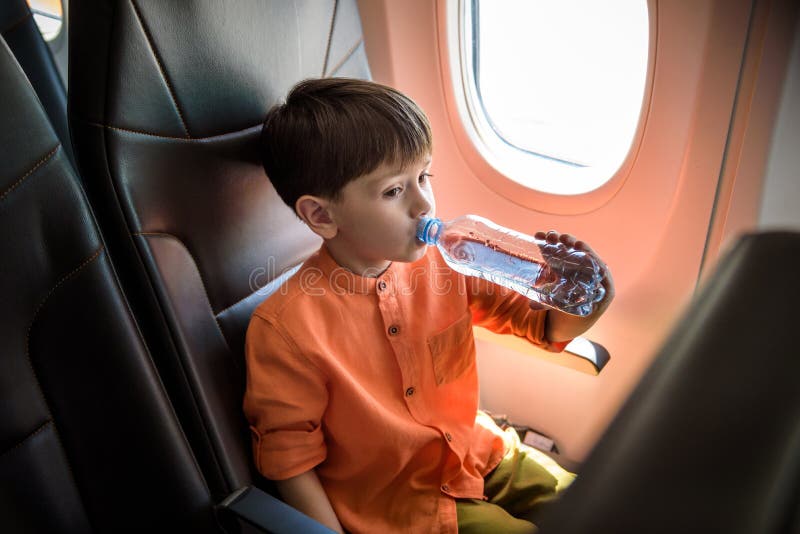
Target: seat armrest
(254,510)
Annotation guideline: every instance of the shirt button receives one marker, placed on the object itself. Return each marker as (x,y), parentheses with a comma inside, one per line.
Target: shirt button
(448,437)
(445,487)
(410,391)
(381,286)
(394,330)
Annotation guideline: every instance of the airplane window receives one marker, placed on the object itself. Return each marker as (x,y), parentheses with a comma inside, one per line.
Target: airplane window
(554,90)
(48,15)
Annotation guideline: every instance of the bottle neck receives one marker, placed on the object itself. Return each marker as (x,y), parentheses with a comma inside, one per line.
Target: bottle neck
(429,230)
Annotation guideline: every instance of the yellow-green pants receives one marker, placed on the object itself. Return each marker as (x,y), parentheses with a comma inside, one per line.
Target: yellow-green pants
(517,491)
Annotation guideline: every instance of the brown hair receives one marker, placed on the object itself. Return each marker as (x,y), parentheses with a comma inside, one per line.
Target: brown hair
(331,131)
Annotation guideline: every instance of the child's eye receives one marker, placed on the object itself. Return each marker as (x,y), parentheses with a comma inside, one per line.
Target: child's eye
(424,177)
(393,192)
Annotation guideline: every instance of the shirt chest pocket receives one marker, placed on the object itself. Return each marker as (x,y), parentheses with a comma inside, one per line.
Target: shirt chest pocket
(453,350)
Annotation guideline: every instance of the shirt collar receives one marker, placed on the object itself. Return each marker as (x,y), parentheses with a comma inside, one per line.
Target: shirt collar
(341,279)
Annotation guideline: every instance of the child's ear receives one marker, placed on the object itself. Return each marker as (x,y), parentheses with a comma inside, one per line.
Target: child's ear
(314,212)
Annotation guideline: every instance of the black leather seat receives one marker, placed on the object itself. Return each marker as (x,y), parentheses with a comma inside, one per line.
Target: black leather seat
(88,440)
(709,441)
(26,43)
(166,105)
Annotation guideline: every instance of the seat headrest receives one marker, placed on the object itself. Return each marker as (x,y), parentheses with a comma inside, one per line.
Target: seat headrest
(202,69)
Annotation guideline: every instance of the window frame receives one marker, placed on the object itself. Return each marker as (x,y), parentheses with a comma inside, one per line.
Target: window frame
(471,126)
(57,39)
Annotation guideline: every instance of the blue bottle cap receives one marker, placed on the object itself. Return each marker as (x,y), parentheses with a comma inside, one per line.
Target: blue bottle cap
(428,230)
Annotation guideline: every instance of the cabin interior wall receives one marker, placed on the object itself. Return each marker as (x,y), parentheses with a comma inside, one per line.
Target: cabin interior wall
(758,186)
(652,232)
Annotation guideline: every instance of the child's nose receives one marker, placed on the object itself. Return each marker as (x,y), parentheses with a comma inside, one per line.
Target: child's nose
(422,205)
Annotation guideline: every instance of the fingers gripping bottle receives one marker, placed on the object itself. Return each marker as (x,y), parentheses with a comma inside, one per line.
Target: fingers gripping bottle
(555,275)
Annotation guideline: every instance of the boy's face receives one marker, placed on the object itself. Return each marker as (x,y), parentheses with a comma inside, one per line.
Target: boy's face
(376,218)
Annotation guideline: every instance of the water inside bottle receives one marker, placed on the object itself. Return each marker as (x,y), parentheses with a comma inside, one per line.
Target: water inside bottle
(570,282)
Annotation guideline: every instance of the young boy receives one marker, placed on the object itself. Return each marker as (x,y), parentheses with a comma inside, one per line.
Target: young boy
(362,391)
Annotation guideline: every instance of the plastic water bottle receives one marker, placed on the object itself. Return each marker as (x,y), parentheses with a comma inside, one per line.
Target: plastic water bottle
(553,274)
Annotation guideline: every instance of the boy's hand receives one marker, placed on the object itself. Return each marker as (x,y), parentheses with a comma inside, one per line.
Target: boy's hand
(563,326)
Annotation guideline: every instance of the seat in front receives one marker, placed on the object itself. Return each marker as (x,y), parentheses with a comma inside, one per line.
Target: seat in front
(88,440)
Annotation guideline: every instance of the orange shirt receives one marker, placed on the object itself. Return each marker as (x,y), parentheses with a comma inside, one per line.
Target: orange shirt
(373,382)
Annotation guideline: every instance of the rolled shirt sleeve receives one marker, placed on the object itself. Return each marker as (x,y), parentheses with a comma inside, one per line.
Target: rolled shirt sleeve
(505,311)
(284,401)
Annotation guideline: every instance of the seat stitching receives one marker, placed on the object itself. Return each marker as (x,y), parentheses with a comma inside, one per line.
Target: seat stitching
(160,136)
(31,171)
(63,279)
(29,436)
(346,56)
(330,37)
(160,67)
(71,274)
(202,281)
(16,23)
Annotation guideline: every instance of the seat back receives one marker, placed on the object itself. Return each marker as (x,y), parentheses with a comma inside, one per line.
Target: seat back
(86,429)
(166,108)
(27,44)
(709,441)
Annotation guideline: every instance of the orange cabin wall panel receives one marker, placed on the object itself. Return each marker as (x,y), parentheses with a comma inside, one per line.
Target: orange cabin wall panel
(651,229)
